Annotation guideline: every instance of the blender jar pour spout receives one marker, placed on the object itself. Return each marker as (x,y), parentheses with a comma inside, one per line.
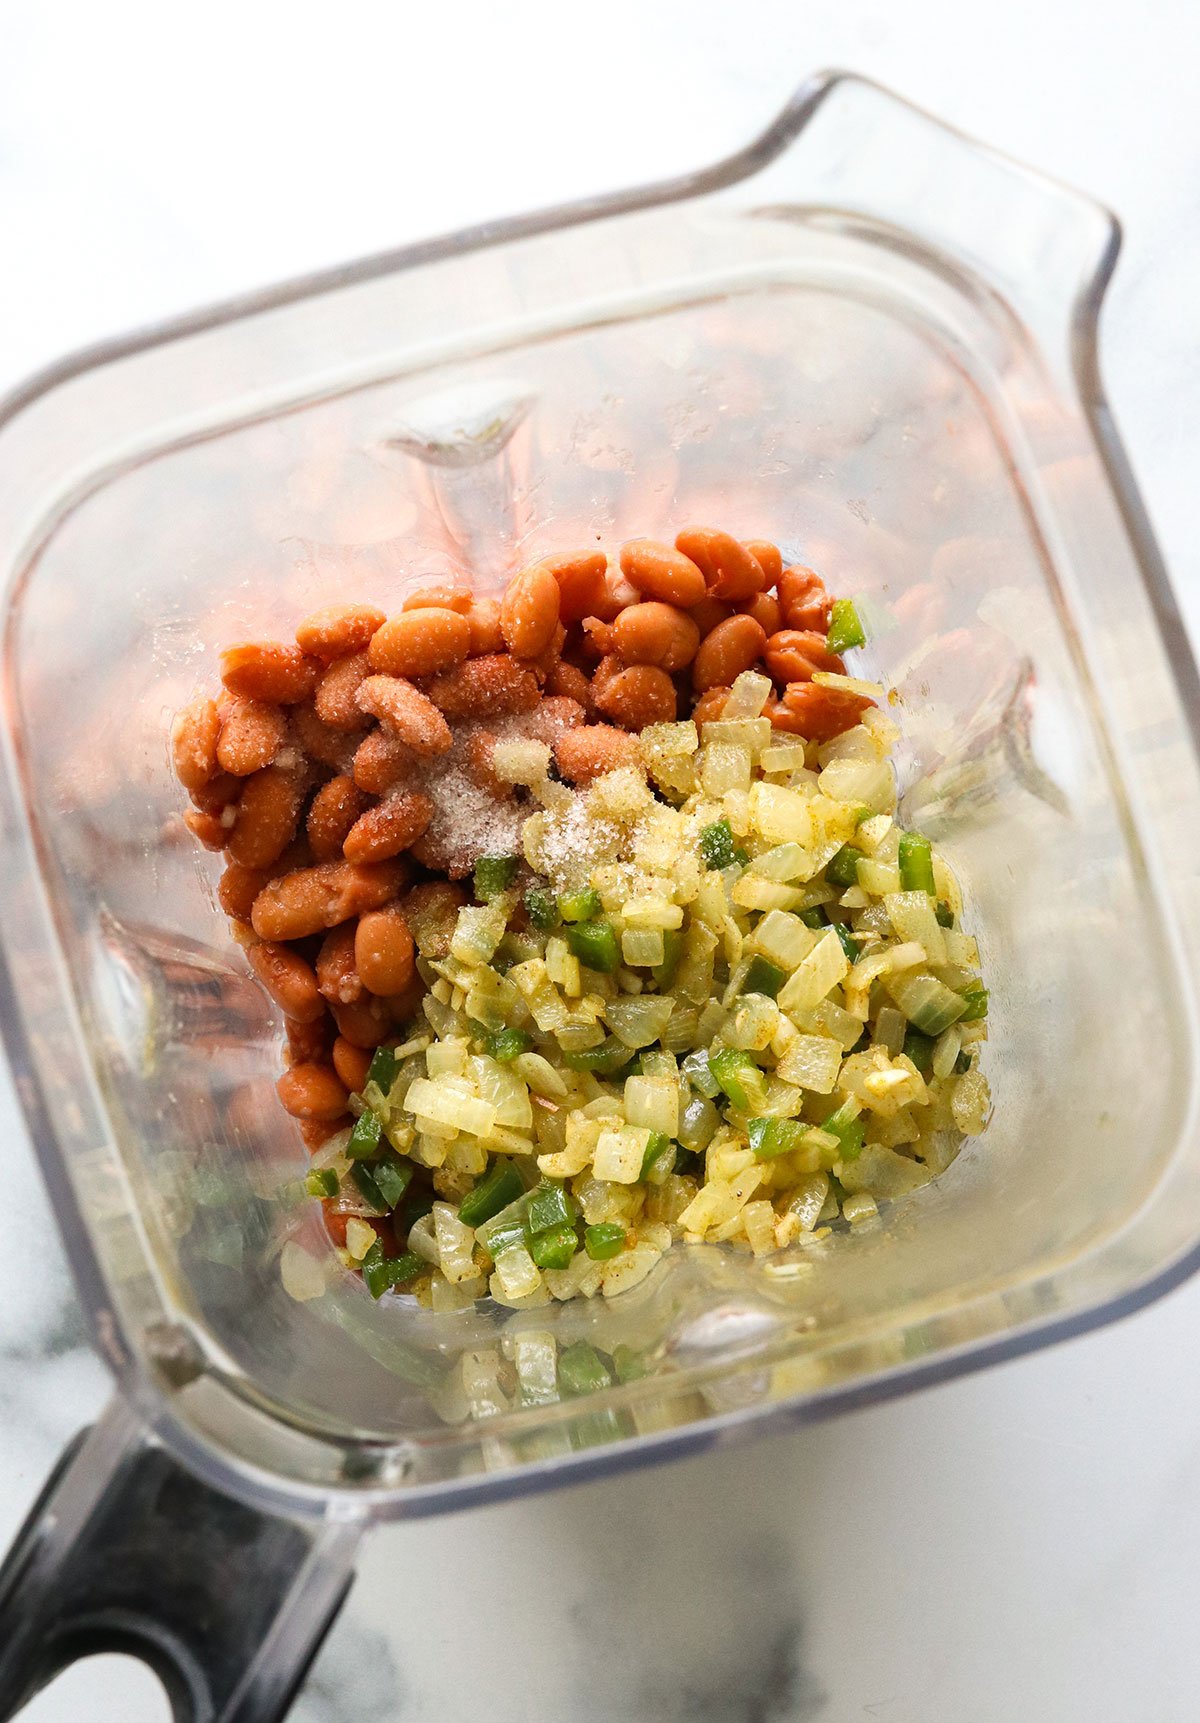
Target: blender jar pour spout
(127,1551)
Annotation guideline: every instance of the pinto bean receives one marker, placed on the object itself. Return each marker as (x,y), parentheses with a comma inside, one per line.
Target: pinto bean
(194,737)
(409,715)
(390,827)
(288,979)
(338,631)
(730,571)
(733,646)
(268,670)
(420,642)
(591,750)
(383,951)
(658,571)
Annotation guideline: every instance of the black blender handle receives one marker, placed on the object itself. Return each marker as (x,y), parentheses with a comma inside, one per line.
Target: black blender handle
(125,1550)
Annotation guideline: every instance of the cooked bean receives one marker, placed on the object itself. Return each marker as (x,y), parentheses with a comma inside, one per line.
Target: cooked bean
(306,1043)
(804,600)
(658,571)
(733,646)
(338,630)
(483,619)
(655,633)
(315,1133)
(335,807)
(311,899)
(251,735)
(336,976)
(597,638)
(492,686)
(406,1004)
(764,608)
(617,594)
(351,1064)
(266,817)
(555,714)
(602,675)
(823,712)
(708,613)
(710,705)
(478,765)
(768,558)
(793,654)
(430,912)
(215,796)
(336,698)
(569,681)
(593,749)
(420,642)
(581,581)
(208,829)
(383,951)
(288,979)
(550,654)
(412,718)
(381,762)
(641,695)
(268,670)
(320,740)
(389,828)
(456,598)
(194,737)
(730,571)
(237,889)
(312,1092)
(529,612)
(782,719)
(364,1023)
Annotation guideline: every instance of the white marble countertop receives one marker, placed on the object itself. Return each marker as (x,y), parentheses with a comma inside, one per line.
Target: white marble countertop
(1018,1545)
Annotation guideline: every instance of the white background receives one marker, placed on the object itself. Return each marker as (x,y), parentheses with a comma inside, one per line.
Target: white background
(1021,1546)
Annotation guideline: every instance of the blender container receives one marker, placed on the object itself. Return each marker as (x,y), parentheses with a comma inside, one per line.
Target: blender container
(864,337)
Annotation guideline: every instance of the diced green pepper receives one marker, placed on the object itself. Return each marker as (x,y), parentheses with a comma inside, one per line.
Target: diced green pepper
(392,1178)
(419,1204)
(505,1045)
(763,977)
(976,997)
(383,1068)
(555,1247)
(716,845)
(739,1077)
(581,1370)
(365,1137)
(916,863)
(919,1048)
(945,915)
(611,1056)
(595,944)
(962,1063)
(814,918)
(541,906)
(629,1365)
(771,1137)
(550,1205)
(849,1131)
(698,1070)
(493,1192)
(845,628)
(603,1240)
(494,874)
(367,1187)
(843,868)
(579,905)
(322,1182)
(504,1235)
(381,1273)
(846,940)
(659,1151)
(741,856)
(664,972)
